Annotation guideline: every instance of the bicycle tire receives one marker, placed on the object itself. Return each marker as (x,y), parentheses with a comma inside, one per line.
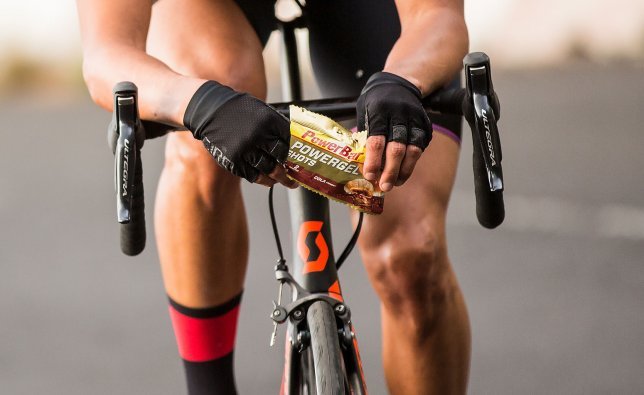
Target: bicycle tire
(325,349)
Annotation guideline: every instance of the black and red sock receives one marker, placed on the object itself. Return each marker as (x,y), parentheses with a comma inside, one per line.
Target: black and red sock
(206,341)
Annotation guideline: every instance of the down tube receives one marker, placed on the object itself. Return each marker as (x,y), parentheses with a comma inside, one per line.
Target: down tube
(313,260)
(313,265)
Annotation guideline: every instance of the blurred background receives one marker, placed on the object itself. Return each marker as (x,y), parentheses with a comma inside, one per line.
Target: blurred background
(556,294)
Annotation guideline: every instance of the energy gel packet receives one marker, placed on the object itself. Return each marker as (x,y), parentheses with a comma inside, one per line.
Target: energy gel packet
(327,158)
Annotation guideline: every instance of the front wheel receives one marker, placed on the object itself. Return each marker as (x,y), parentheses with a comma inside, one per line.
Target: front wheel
(325,349)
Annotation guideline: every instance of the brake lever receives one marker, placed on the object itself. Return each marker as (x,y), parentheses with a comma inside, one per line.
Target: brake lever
(123,136)
(480,94)
(126,136)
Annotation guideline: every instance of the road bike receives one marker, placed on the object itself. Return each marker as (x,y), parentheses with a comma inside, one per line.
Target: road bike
(322,355)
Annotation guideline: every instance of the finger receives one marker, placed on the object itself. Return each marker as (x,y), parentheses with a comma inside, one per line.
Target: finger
(279,174)
(264,180)
(373,158)
(395,152)
(408,164)
(279,151)
(246,172)
(398,134)
(269,167)
(361,114)
(261,161)
(419,137)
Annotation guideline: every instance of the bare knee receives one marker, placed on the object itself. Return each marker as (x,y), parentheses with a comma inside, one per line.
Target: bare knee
(191,169)
(410,273)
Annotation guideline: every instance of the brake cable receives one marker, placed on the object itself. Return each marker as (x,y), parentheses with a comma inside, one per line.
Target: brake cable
(276,233)
(343,256)
(352,243)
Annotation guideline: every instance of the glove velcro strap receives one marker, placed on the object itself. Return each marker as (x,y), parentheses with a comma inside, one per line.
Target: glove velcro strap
(383,77)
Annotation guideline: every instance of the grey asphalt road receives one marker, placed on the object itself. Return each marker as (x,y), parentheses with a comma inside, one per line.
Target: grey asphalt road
(555,295)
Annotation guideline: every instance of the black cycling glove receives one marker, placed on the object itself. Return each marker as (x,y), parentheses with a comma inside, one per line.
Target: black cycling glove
(390,106)
(245,135)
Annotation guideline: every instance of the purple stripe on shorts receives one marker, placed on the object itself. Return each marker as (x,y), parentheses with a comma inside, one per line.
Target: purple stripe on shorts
(446,132)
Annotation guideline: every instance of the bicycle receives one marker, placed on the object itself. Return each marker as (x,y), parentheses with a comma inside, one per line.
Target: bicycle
(322,355)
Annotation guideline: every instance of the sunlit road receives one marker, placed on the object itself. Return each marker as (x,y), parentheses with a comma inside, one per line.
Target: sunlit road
(555,295)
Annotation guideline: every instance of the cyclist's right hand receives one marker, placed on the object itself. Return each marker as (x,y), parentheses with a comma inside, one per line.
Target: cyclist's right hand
(244,135)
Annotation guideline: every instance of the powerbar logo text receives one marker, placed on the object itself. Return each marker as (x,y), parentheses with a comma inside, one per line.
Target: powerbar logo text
(338,149)
(308,155)
(488,137)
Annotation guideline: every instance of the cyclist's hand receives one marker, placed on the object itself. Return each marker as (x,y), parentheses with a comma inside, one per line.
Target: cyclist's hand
(245,135)
(390,109)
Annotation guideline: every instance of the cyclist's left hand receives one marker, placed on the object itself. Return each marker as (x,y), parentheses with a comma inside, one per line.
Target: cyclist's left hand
(398,128)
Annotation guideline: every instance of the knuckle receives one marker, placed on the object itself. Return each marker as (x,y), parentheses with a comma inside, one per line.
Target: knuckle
(397,150)
(376,143)
(414,151)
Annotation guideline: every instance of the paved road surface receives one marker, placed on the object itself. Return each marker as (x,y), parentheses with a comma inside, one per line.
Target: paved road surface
(556,295)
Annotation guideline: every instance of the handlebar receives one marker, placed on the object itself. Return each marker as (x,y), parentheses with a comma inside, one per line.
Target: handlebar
(478,103)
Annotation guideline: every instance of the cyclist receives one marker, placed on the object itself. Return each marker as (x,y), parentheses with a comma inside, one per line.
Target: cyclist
(198,65)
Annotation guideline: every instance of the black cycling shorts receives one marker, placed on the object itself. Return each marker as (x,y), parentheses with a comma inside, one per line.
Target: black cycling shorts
(349,40)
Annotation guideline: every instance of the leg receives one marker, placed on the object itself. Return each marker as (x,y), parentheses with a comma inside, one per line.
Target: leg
(426,336)
(201,231)
(200,220)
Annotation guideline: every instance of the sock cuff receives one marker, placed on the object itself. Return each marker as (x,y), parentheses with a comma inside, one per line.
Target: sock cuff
(205,334)
(207,312)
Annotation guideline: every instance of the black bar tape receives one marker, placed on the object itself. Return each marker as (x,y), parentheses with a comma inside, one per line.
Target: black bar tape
(158,129)
(133,233)
(446,101)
